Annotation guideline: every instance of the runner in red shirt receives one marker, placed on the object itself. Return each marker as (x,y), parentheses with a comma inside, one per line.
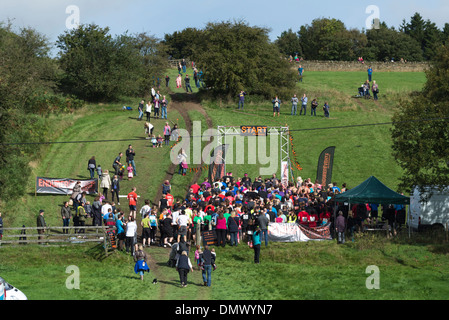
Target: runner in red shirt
(195,187)
(303,218)
(132,200)
(312,219)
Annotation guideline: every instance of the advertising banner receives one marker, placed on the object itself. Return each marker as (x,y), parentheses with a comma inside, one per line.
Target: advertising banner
(65,186)
(292,232)
(217,163)
(325,165)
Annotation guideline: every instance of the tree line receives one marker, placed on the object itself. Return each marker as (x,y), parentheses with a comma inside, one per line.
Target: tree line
(91,66)
(329,39)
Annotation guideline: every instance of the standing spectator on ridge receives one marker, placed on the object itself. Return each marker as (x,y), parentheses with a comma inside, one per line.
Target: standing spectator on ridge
(157,105)
(167,81)
(294,101)
(276,105)
(313,106)
(167,133)
(105,183)
(242,95)
(300,72)
(115,188)
(370,73)
(303,104)
(148,107)
(375,90)
(66,215)
(184,65)
(140,108)
(41,224)
(164,104)
(179,81)
(187,82)
(91,166)
(96,212)
(117,164)
(326,109)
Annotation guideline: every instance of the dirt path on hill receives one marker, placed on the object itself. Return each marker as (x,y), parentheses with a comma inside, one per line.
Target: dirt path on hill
(183,103)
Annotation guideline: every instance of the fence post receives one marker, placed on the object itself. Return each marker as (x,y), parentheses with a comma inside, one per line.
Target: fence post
(105,241)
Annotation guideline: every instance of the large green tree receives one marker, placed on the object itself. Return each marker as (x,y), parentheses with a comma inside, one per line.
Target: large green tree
(421,131)
(153,61)
(180,44)
(425,32)
(328,39)
(288,43)
(235,56)
(98,67)
(387,43)
(26,72)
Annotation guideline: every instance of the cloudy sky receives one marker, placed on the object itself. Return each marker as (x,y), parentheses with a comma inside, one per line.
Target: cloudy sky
(158,17)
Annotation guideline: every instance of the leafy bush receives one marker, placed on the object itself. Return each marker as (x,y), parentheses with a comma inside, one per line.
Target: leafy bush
(45,103)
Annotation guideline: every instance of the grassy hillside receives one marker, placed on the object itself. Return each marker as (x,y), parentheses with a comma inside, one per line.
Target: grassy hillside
(409,269)
(360,151)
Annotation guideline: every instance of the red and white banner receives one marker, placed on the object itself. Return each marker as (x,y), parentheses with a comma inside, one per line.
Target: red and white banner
(64,186)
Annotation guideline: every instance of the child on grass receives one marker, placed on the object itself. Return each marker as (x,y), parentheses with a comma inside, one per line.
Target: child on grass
(130,171)
(197,255)
(159,141)
(153,140)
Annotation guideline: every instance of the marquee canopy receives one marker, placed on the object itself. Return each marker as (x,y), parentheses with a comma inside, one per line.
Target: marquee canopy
(372,191)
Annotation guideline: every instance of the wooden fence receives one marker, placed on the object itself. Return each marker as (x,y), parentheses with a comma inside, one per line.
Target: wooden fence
(173,63)
(56,236)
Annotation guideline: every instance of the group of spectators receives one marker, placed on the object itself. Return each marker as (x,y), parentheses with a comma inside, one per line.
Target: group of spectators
(365,88)
(157,103)
(304,101)
(198,76)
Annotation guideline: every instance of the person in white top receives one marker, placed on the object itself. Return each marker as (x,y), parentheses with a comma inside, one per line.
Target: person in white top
(145,209)
(182,221)
(131,233)
(148,110)
(105,209)
(174,222)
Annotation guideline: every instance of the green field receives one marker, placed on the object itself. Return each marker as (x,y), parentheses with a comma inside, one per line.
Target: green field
(409,269)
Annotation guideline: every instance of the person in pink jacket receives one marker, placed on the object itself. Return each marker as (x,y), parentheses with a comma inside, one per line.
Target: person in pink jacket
(220,228)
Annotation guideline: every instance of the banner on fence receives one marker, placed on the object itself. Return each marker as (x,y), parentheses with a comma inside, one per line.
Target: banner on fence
(292,232)
(64,185)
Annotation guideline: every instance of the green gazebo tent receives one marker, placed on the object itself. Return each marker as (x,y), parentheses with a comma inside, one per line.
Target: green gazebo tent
(372,191)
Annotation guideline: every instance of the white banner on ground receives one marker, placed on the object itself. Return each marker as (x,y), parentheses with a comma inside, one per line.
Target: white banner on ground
(292,232)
